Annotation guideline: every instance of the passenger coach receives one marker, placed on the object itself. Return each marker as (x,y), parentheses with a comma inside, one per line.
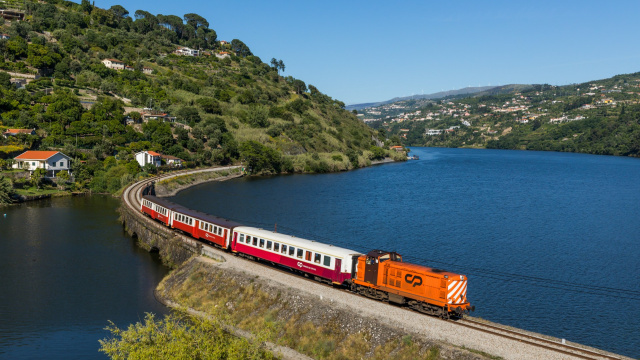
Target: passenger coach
(158,209)
(212,229)
(325,262)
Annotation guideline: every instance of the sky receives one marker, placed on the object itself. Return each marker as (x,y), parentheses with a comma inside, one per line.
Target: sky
(367,51)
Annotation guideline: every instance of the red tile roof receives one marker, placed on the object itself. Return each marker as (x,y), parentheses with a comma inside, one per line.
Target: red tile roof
(153,153)
(18,131)
(36,155)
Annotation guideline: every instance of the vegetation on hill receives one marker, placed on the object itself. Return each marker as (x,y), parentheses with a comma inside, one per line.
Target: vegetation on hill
(228,108)
(597,117)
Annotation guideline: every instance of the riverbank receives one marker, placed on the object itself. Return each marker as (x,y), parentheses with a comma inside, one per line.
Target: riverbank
(173,185)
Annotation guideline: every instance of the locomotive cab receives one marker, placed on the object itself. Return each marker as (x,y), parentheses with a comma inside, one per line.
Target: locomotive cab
(372,262)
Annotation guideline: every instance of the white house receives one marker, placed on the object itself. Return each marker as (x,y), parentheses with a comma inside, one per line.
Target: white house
(186,51)
(432,132)
(148,157)
(52,161)
(113,64)
(172,160)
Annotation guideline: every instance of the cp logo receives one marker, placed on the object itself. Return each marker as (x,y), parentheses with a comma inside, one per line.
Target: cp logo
(414,280)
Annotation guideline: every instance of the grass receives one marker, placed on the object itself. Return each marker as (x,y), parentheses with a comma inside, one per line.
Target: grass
(488,356)
(178,182)
(34,191)
(293,322)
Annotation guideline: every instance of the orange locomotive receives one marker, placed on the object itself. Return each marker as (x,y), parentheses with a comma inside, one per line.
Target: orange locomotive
(382,275)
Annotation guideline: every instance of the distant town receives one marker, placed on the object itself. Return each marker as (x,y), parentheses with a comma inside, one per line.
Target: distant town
(476,120)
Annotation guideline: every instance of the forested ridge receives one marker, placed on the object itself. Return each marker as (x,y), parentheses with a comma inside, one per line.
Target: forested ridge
(596,117)
(229,105)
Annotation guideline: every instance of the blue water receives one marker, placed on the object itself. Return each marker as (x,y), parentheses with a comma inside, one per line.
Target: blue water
(66,269)
(549,241)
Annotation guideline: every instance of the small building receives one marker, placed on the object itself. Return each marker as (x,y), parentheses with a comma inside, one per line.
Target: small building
(396,148)
(432,132)
(185,51)
(172,160)
(130,68)
(19,83)
(14,132)
(223,55)
(114,64)
(222,42)
(52,161)
(157,115)
(5,36)
(147,70)
(148,157)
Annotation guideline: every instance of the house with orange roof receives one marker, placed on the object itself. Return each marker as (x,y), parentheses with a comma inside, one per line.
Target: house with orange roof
(223,54)
(14,132)
(148,157)
(52,161)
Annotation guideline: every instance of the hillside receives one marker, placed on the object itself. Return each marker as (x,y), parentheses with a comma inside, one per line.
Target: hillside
(438,95)
(224,106)
(596,117)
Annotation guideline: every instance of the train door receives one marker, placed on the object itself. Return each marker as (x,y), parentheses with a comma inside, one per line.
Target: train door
(225,239)
(233,243)
(338,269)
(371,270)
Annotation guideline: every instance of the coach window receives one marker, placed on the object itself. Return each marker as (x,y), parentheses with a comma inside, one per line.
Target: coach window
(241,238)
(316,259)
(300,251)
(269,244)
(276,247)
(292,250)
(307,256)
(284,249)
(220,231)
(255,241)
(327,260)
(261,243)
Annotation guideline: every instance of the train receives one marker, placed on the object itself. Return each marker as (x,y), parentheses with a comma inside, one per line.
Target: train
(380,275)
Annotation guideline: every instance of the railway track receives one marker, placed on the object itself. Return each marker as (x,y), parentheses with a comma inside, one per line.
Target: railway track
(133,196)
(537,341)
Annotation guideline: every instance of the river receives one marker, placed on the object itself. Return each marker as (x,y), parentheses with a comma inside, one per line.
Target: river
(66,269)
(549,241)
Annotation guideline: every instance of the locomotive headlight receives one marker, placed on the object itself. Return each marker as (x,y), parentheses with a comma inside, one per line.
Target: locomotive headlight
(461,277)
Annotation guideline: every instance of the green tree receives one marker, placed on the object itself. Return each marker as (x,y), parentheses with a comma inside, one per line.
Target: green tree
(63,175)
(240,48)
(196,20)
(180,337)
(37,176)
(6,190)
(259,158)
(119,11)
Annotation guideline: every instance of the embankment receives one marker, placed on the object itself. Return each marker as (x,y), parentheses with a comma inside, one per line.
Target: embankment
(299,319)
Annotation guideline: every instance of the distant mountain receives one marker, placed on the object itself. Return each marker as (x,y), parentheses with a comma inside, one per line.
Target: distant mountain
(438,95)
